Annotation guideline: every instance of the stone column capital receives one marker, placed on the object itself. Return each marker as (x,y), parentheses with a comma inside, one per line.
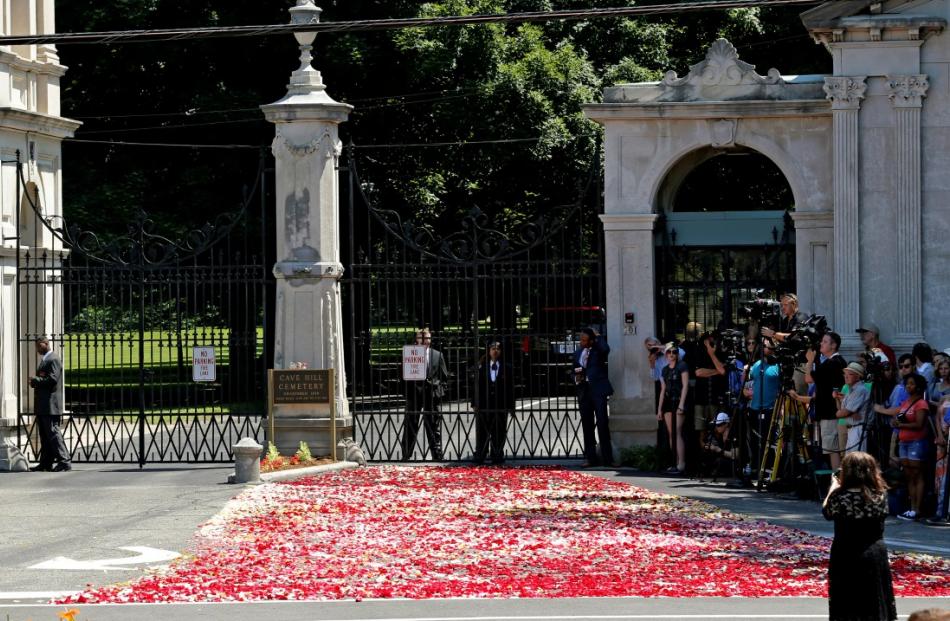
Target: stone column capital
(845,92)
(907,91)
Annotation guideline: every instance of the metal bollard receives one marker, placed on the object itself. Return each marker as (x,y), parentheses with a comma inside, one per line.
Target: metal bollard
(247,462)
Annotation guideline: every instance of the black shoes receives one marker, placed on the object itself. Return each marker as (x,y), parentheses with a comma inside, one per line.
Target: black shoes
(41,468)
(63,466)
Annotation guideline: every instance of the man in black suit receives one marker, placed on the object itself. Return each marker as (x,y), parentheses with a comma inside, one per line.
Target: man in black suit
(593,388)
(422,397)
(493,401)
(48,409)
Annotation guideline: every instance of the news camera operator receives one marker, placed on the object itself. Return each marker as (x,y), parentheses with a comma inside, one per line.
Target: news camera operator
(709,389)
(790,319)
(828,377)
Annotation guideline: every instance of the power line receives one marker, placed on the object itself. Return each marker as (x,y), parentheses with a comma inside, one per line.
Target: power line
(125,143)
(406,145)
(365,25)
(180,126)
(198,111)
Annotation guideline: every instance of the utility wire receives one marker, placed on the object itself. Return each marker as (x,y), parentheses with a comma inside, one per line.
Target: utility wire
(407,145)
(365,25)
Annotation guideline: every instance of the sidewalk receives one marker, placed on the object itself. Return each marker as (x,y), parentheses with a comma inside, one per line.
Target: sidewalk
(802,514)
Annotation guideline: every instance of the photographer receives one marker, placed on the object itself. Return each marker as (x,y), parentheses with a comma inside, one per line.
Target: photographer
(710,386)
(766,382)
(827,377)
(871,337)
(720,441)
(791,318)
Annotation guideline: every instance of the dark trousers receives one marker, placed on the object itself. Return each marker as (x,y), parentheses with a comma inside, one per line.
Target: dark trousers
(52,445)
(594,412)
(491,428)
(421,401)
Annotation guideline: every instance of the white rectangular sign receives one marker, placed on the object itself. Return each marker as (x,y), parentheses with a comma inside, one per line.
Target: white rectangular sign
(414,363)
(203,367)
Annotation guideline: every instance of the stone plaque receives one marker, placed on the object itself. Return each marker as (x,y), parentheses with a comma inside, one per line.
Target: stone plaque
(303,386)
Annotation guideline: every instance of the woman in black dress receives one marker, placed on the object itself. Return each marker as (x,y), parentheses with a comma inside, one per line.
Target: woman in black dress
(859,576)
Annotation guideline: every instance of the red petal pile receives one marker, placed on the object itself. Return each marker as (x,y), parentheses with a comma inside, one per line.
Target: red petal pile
(430,532)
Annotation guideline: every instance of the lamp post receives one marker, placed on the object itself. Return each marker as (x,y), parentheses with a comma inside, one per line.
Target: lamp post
(306,148)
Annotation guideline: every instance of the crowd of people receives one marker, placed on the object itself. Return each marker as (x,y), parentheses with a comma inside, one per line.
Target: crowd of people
(718,402)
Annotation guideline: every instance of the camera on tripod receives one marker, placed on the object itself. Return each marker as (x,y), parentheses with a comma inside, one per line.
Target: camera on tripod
(873,365)
(732,344)
(791,352)
(762,311)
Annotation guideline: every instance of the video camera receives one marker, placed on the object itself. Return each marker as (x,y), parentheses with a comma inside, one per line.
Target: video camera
(873,366)
(732,344)
(762,311)
(791,352)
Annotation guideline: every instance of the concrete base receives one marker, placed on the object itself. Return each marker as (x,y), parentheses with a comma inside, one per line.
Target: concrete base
(630,430)
(11,459)
(290,431)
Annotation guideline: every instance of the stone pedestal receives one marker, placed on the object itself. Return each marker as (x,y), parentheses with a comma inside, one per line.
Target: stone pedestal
(11,458)
(308,318)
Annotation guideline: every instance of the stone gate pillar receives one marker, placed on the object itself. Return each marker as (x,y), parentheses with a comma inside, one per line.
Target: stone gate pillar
(308,269)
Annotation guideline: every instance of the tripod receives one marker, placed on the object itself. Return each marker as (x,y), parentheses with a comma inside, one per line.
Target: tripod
(786,444)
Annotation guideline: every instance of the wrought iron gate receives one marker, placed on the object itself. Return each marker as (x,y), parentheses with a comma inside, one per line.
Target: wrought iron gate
(125,313)
(709,284)
(531,287)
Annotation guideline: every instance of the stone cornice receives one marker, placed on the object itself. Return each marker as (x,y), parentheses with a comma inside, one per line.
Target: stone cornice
(707,110)
(845,92)
(24,64)
(875,28)
(907,91)
(813,219)
(629,221)
(24,120)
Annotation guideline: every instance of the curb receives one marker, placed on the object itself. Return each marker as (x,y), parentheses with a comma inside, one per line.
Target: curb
(289,475)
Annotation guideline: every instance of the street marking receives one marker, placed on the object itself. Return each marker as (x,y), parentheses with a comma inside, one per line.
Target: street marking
(146,556)
(18,595)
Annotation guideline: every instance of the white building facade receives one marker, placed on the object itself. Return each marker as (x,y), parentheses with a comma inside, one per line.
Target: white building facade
(865,151)
(31,125)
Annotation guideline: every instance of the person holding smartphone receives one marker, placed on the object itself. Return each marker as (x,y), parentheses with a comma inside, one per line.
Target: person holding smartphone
(914,446)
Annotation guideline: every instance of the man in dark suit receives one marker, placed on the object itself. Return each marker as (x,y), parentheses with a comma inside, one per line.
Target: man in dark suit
(422,397)
(48,409)
(493,400)
(593,388)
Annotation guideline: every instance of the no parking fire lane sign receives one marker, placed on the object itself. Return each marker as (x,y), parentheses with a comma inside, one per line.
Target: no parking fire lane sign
(203,366)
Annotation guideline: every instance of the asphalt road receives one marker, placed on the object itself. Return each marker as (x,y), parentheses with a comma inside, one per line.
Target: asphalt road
(89,514)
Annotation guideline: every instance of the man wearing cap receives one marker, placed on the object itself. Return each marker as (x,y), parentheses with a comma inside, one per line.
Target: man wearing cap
(871,337)
(720,442)
(856,408)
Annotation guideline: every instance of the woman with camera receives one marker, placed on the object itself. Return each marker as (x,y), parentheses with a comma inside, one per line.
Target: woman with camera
(859,575)
(914,446)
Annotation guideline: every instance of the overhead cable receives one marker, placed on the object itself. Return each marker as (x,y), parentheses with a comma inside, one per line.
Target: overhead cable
(365,25)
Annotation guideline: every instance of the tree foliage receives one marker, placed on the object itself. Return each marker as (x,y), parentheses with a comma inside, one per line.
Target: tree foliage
(524,84)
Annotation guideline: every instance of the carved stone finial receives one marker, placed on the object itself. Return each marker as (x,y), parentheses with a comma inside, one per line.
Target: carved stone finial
(722,67)
(907,91)
(845,92)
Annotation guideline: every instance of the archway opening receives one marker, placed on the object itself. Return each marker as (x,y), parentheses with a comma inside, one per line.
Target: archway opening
(725,237)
